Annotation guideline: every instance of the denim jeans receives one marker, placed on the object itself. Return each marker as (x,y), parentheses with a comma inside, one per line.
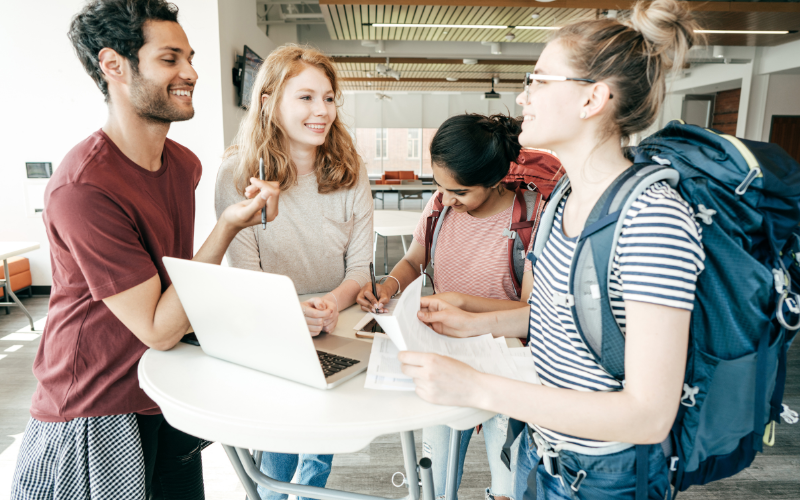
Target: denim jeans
(436,446)
(314,471)
(606,476)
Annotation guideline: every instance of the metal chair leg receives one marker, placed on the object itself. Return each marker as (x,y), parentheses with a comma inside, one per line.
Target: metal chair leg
(385,255)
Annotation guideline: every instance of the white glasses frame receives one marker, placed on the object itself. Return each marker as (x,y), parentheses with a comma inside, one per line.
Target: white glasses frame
(529,77)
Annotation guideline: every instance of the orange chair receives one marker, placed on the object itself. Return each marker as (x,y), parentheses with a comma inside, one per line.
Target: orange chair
(397,177)
(19,270)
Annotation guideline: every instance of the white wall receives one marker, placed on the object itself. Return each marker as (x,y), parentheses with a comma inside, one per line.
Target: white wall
(50,104)
(415,110)
(769,83)
(237,28)
(783,98)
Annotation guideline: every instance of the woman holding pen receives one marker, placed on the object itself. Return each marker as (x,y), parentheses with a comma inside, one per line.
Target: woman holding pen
(596,84)
(322,237)
(470,156)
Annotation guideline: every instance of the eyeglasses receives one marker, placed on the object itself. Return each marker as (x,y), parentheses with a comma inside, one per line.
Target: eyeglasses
(530,77)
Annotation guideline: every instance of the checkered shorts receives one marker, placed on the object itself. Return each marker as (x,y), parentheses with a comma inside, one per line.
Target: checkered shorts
(88,458)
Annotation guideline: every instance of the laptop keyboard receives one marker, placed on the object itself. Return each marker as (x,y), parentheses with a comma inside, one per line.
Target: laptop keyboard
(332,364)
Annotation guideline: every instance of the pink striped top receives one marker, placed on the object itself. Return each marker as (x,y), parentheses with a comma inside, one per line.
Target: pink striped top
(472,254)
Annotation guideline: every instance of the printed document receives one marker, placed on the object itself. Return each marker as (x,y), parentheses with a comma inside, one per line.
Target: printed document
(405,332)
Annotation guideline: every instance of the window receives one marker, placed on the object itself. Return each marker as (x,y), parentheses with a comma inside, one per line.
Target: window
(385,149)
(381,143)
(413,144)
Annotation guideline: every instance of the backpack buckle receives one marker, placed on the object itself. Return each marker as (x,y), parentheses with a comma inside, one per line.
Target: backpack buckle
(660,161)
(791,303)
(689,393)
(532,187)
(705,214)
(749,178)
(550,461)
(511,235)
(563,299)
(788,415)
(780,280)
(673,464)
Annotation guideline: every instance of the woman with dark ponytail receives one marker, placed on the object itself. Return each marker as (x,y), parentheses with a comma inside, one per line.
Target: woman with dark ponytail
(470,156)
(596,83)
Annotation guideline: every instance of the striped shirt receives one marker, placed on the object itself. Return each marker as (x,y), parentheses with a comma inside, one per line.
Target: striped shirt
(658,257)
(471,254)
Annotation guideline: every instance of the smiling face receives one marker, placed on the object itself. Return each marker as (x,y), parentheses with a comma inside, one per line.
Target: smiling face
(459,198)
(307,108)
(162,89)
(552,113)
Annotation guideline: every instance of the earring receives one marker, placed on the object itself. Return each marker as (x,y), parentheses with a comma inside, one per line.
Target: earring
(583,115)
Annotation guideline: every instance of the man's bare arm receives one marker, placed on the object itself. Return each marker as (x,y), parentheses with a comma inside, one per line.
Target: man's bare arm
(157,319)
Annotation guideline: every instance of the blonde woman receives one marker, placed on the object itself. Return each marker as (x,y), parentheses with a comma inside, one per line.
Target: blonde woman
(596,83)
(322,237)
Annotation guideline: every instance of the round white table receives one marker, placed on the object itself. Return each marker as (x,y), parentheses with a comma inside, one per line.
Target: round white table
(393,223)
(10,249)
(247,409)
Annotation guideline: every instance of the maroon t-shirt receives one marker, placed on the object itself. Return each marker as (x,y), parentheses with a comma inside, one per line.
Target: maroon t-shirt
(109,223)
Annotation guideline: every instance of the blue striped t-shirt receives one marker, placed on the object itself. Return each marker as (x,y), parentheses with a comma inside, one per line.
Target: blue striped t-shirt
(657,260)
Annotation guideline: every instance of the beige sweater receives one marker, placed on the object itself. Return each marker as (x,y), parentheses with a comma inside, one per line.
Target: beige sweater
(318,240)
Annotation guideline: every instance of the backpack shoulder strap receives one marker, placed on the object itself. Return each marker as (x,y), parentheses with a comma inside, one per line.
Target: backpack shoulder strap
(528,204)
(590,271)
(432,227)
(549,216)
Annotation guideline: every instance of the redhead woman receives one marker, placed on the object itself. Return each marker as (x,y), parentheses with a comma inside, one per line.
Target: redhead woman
(322,237)
(596,83)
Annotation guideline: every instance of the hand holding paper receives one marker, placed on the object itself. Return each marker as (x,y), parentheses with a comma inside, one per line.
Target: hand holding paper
(407,333)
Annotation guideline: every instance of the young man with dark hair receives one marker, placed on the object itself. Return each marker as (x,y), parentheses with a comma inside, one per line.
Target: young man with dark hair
(120,201)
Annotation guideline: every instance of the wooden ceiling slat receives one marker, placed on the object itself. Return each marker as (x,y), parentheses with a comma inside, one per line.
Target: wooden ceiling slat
(358,26)
(372,18)
(421,60)
(442,17)
(401,18)
(381,32)
(351,24)
(344,23)
(342,17)
(336,22)
(419,14)
(326,15)
(714,6)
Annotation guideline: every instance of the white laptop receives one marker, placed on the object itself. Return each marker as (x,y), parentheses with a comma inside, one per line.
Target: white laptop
(254,319)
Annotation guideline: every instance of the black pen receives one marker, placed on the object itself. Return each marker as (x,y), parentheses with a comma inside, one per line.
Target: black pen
(263,210)
(372,277)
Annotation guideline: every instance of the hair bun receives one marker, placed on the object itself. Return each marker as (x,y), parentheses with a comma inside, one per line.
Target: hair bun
(505,130)
(668,27)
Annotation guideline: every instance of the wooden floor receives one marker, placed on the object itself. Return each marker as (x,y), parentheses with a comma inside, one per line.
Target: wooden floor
(774,474)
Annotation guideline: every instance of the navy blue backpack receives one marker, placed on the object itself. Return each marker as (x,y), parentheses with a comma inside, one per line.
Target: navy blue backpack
(746,196)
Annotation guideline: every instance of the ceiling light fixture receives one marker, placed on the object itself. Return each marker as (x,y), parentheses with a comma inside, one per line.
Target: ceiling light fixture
(470,61)
(463,26)
(534,16)
(499,27)
(744,32)
(451,79)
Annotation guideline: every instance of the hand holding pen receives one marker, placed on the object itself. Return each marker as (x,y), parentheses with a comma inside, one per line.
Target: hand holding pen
(374,297)
(269,191)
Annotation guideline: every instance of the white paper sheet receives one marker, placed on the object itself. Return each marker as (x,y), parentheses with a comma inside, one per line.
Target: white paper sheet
(406,332)
(383,370)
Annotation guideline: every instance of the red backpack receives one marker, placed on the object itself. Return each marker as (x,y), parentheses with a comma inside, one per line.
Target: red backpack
(532,178)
